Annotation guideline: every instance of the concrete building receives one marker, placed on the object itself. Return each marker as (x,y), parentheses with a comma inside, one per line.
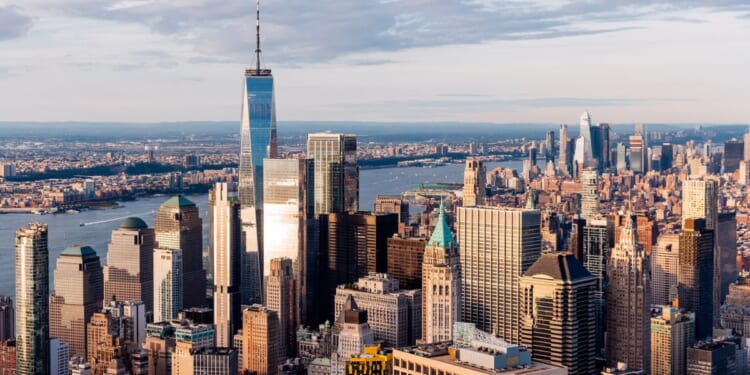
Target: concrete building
(190,338)
(628,302)
(8,357)
(168,287)
(282,297)
(393,204)
(665,265)
(77,296)
(178,226)
(700,201)
(590,194)
(475,183)
(497,246)
(260,340)
(558,313)
(405,258)
(215,361)
(226,236)
(351,333)
(696,274)
(129,273)
(712,357)
(735,312)
(672,332)
(32,300)
(394,315)
(441,284)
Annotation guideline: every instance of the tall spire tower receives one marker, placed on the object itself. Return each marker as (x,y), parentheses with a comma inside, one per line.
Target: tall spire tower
(258,141)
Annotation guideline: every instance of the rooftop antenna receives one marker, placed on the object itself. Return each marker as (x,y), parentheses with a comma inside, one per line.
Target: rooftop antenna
(257,35)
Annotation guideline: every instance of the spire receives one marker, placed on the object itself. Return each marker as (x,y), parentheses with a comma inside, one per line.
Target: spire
(442,237)
(628,234)
(257,35)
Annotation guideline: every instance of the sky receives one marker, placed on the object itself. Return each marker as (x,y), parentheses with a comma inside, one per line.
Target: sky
(501,61)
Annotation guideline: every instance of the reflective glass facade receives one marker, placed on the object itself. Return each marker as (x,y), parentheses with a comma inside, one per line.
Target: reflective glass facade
(336,172)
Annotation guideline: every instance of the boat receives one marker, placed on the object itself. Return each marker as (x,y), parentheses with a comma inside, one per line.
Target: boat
(83,224)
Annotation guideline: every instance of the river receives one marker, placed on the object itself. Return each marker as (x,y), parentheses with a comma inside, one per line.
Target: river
(65,229)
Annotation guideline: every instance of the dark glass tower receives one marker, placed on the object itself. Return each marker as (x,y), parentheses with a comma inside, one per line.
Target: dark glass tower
(258,141)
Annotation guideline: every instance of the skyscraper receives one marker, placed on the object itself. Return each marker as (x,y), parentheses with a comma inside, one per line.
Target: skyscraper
(32,300)
(59,356)
(168,285)
(188,340)
(622,162)
(696,274)
(78,295)
(282,297)
(585,133)
(475,183)
(289,229)
(628,302)
(336,172)
(7,319)
(638,160)
(733,154)
(129,273)
(405,258)
(664,269)
(590,194)
(227,237)
(564,165)
(700,200)
(557,313)
(640,130)
(178,226)
(598,239)
(394,204)
(441,285)
(257,142)
(497,246)
(606,149)
(351,333)
(549,147)
(672,332)
(260,340)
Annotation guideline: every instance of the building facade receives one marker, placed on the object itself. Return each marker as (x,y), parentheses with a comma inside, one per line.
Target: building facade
(226,245)
(405,257)
(475,183)
(336,172)
(282,297)
(129,273)
(696,274)
(665,265)
(672,332)
(260,340)
(168,284)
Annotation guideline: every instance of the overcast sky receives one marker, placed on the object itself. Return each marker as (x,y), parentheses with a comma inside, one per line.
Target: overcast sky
(388,60)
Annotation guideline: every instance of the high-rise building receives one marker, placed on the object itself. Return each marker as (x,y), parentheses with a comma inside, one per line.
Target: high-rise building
(394,315)
(357,246)
(260,340)
(549,147)
(497,246)
(587,152)
(351,333)
(727,255)
(104,341)
(405,257)
(289,230)
(336,172)
(628,302)
(712,357)
(640,130)
(700,200)
(665,265)
(130,318)
(563,162)
(667,156)
(8,357)
(226,245)
(475,183)
(168,284)
(734,312)
(7,319)
(598,239)
(215,361)
(733,153)
(59,356)
(258,141)
(590,194)
(672,332)
(622,161)
(696,274)
(77,296)
(190,338)
(129,273)
(394,204)
(605,161)
(558,313)
(638,161)
(178,226)
(32,300)
(441,284)
(282,297)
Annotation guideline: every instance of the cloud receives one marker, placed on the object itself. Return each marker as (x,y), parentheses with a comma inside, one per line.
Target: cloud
(14,22)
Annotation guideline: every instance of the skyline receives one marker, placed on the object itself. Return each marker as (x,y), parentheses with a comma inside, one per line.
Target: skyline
(658,62)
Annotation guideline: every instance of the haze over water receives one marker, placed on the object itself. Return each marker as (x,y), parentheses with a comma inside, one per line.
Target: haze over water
(65,230)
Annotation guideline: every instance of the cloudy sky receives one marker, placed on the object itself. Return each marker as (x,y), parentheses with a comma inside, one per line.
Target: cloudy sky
(387,60)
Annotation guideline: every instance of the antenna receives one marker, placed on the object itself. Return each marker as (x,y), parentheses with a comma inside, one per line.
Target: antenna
(257,35)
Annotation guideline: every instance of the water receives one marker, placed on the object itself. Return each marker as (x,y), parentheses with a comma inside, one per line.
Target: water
(65,230)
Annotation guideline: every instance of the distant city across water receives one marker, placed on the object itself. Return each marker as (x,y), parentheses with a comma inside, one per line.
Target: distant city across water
(66,230)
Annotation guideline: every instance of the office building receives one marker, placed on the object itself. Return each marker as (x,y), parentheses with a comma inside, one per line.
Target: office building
(351,333)
(622,161)
(32,300)
(178,226)
(8,357)
(563,159)
(734,313)
(336,172)
(497,246)
(372,359)
(590,194)
(586,154)
(59,356)
(357,245)
(672,332)
(77,296)
(638,152)
(7,319)
(226,245)
(130,317)
(667,156)
(394,315)
(598,239)
(628,302)
(696,274)
(105,345)
(665,265)
(712,357)
(282,297)
(260,340)
(700,200)
(168,283)
(393,204)
(734,151)
(441,284)
(605,152)
(190,338)
(475,183)
(215,361)
(289,230)
(726,251)
(558,313)
(7,170)
(129,273)
(405,258)
(549,147)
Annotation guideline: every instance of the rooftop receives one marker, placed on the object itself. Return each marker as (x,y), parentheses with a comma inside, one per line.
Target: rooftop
(133,223)
(178,201)
(559,266)
(80,251)
(442,237)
